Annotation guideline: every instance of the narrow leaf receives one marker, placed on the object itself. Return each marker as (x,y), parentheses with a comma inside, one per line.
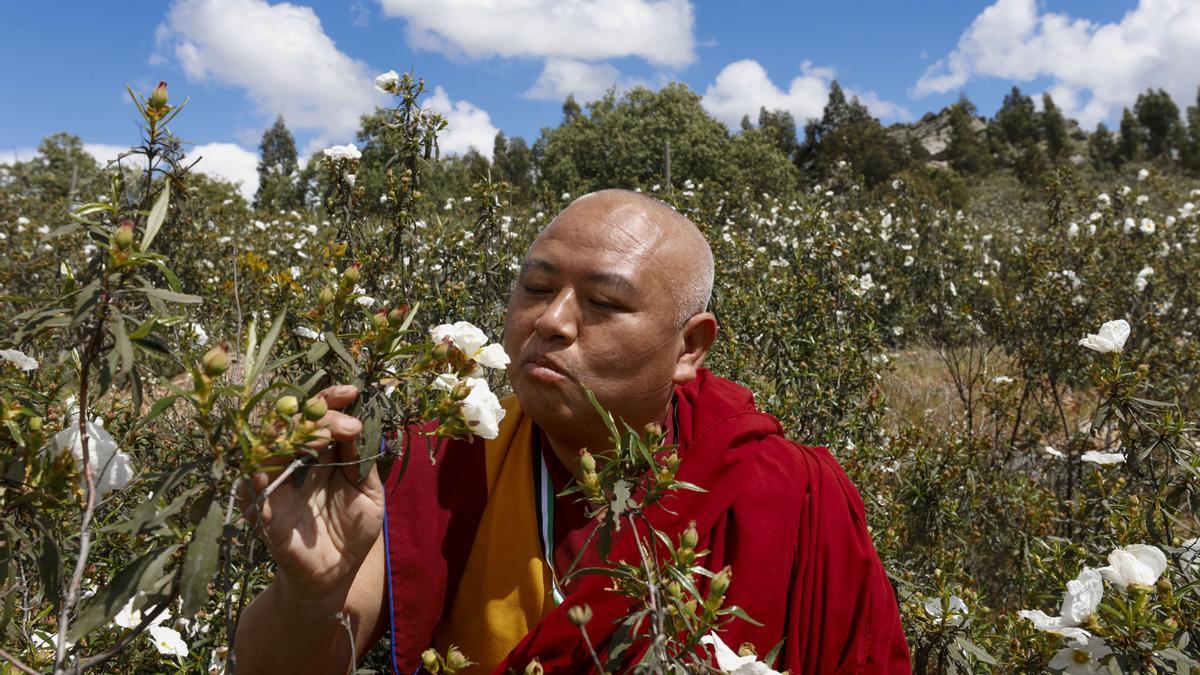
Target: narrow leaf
(158,214)
(201,562)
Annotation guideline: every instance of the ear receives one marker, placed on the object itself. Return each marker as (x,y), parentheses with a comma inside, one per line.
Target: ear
(698,335)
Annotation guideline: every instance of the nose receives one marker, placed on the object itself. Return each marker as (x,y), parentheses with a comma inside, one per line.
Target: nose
(559,319)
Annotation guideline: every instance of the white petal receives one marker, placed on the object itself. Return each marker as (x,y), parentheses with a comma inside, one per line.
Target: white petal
(482,410)
(492,356)
(1082,597)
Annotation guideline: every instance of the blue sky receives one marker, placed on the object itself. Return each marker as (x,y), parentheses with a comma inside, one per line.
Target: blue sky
(244,61)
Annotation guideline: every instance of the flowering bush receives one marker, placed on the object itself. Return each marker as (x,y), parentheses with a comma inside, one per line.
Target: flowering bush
(1011,386)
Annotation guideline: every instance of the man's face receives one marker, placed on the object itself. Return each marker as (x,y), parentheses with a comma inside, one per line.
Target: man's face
(594,305)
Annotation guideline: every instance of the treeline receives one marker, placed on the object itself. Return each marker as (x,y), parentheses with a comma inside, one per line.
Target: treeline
(645,138)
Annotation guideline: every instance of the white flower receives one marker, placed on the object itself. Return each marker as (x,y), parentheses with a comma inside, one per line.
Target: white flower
(462,334)
(365,300)
(1002,379)
(347,151)
(729,661)
(481,409)
(1130,225)
(128,617)
(19,359)
(863,284)
(1052,451)
(471,340)
(168,641)
(1143,278)
(1103,199)
(958,610)
(445,381)
(110,468)
(1079,602)
(1146,226)
(1138,564)
(199,336)
(350,178)
(216,663)
(1081,657)
(1083,596)
(1097,457)
(22,221)
(909,260)
(1111,338)
(1143,174)
(1073,231)
(306,332)
(492,356)
(387,82)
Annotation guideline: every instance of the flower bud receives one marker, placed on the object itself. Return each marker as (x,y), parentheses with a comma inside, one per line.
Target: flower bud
(654,430)
(587,462)
(325,296)
(397,315)
(690,537)
(720,583)
(315,408)
(671,461)
(35,423)
(534,668)
(440,351)
(215,361)
(287,406)
(123,237)
(747,649)
(379,319)
(158,97)
(351,275)
(580,615)
(460,391)
(429,659)
(1164,585)
(455,660)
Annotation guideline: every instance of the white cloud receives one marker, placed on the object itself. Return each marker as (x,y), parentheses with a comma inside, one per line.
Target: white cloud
(229,162)
(1095,68)
(14,155)
(743,87)
(467,125)
(105,153)
(586,81)
(279,54)
(658,31)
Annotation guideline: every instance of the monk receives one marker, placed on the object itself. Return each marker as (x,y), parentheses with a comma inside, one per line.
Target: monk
(470,551)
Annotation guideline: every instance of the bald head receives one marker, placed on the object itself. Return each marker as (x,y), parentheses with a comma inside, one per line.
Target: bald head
(677,243)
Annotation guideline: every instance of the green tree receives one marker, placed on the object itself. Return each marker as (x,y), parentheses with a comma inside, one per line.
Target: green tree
(512,161)
(848,132)
(967,152)
(571,110)
(1102,150)
(1054,129)
(1131,136)
(1158,117)
(621,143)
(278,187)
(1016,119)
(1191,149)
(780,128)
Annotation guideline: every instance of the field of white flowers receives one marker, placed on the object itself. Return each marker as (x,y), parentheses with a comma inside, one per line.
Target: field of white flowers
(1012,386)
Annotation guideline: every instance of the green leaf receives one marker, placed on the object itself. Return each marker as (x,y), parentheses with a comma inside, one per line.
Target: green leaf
(739,613)
(336,346)
(200,565)
(158,213)
(86,299)
(974,649)
(157,409)
(49,564)
(140,575)
(264,352)
(315,352)
(124,346)
(171,296)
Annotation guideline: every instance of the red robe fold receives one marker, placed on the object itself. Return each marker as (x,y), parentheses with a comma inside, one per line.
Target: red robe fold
(784,516)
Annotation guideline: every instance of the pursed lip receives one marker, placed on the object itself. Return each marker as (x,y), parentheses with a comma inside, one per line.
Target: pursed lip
(540,363)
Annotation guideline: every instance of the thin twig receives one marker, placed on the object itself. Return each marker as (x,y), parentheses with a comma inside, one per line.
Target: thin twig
(344,619)
(587,640)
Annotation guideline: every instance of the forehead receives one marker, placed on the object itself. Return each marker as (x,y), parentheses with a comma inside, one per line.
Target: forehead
(605,240)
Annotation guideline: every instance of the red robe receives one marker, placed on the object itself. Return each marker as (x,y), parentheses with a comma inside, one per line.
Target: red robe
(784,516)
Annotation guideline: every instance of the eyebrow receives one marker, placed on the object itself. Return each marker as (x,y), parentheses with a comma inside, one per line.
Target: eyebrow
(613,280)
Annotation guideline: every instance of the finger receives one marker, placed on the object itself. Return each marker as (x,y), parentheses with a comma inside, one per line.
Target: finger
(339,396)
(340,425)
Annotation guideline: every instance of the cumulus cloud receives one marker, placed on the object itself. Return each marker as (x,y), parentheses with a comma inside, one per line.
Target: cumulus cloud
(14,155)
(658,31)
(229,162)
(743,87)
(586,81)
(467,125)
(279,54)
(1094,68)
